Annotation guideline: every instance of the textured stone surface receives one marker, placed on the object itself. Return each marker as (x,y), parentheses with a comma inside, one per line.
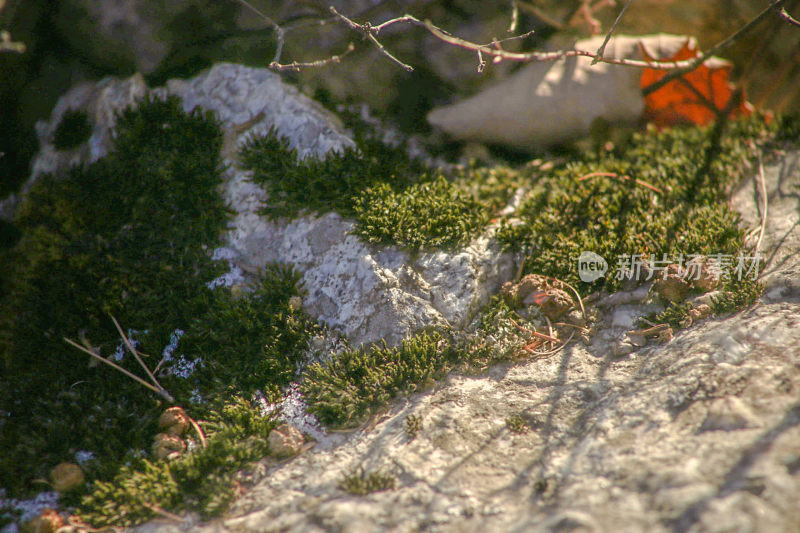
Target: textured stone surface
(367,293)
(700,434)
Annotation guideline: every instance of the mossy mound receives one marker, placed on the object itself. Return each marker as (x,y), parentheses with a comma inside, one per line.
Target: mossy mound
(131,236)
(393,198)
(663,195)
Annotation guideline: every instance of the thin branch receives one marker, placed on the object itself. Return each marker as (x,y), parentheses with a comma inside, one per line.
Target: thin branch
(278,30)
(717,48)
(164,394)
(602,49)
(626,178)
(7,45)
(782,13)
(369,32)
(534,332)
(512,27)
(296,66)
(763,193)
(136,355)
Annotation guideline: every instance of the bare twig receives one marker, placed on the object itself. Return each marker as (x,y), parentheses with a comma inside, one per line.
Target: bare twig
(278,31)
(602,49)
(512,27)
(782,13)
(160,392)
(717,48)
(163,512)
(370,31)
(296,66)
(763,193)
(136,355)
(626,178)
(7,45)
(534,332)
(554,350)
(199,431)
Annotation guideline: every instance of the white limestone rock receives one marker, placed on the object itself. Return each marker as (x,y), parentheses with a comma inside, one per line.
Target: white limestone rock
(700,434)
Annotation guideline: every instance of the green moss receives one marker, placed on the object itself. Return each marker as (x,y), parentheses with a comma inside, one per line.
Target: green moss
(573,209)
(130,235)
(428,215)
(361,482)
(413,426)
(391,197)
(203,480)
(73,130)
(358,381)
(516,424)
(322,185)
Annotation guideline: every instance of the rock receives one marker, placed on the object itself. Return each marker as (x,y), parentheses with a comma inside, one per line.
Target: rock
(622,454)
(729,414)
(696,435)
(285,441)
(547,103)
(368,293)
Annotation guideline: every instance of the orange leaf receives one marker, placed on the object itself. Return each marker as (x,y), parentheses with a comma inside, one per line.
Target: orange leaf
(697,97)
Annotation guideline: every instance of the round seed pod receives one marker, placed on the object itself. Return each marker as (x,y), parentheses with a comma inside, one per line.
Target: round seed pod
(165,445)
(66,476)
(174,420)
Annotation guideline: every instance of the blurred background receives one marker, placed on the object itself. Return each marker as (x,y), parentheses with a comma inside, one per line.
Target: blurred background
(70,41)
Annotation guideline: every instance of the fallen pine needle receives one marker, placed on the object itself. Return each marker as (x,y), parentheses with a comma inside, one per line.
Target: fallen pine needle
(625,178)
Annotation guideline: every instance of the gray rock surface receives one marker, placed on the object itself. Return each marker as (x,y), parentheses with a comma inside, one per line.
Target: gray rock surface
(700,434)
(367,293)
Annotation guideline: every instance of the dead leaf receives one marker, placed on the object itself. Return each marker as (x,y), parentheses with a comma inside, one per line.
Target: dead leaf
(698,97)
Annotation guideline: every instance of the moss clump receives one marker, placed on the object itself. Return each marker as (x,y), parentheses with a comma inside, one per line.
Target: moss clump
(358,381)
(413,426)
(392,198)
(203,480)
(361,482)
(321,185)
(130,235)
(516,424)
(73,130)
(435,214)
(675,209)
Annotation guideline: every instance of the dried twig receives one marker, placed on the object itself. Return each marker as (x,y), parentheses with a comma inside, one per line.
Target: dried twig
(278,31)
(88,349)
(7,45)
(626,178)
(296,66)
(554,350)
(602,49)
(535,333)
(163,512)
(116,366)
(512,27)
(370,31)
(130,347)
(763,193)
(782,13)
